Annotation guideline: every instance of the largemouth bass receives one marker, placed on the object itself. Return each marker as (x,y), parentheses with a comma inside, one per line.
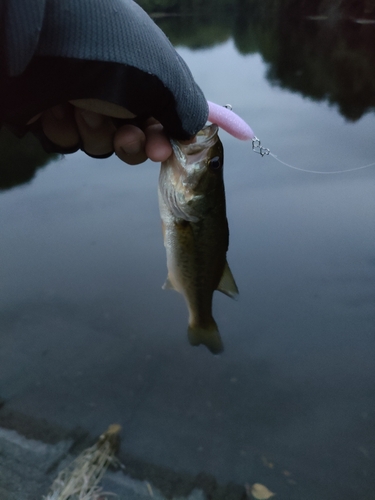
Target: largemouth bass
(195,229)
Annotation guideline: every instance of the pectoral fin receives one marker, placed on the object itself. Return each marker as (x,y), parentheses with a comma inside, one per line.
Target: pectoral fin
(227,284)
(168,285)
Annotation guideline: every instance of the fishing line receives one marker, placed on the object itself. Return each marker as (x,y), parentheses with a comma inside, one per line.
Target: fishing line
(229,121)
(259,149)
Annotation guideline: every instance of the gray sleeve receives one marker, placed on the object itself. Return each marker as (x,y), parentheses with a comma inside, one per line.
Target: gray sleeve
(21,24)
(114,33)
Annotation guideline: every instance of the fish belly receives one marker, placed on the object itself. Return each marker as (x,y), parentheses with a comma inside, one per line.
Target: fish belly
(196,257)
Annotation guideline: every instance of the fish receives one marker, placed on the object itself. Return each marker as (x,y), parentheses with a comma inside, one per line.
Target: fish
(192,207)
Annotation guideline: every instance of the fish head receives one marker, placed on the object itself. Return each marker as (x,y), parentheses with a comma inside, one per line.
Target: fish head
(191,179)
(201,161)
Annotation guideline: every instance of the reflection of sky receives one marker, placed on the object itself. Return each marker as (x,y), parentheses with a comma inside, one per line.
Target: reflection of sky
(89,337)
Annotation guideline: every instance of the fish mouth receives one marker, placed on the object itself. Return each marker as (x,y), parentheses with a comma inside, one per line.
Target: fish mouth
(194,152)
(204,139)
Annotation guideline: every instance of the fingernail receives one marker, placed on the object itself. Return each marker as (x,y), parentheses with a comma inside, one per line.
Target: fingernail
(93,120)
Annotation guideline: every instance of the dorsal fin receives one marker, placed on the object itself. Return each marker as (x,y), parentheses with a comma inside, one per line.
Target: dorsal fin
(227,284)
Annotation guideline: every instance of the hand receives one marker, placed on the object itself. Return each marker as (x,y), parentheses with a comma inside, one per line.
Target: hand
(97,75)
(89,122)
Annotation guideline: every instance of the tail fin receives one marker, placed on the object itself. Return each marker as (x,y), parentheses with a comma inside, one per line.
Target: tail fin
(208,335)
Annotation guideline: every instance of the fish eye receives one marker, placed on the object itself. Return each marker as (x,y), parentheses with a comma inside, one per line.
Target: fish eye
(215,163)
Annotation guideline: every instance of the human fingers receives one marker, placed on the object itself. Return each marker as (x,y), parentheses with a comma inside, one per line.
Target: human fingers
(96,131)
(134,146)
(157,148)
(129,144)
(59,126)
(68,128)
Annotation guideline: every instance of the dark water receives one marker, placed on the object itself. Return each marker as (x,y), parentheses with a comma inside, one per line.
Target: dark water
(88,337)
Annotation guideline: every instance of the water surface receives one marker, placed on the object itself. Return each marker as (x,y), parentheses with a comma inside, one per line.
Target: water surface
(88,337)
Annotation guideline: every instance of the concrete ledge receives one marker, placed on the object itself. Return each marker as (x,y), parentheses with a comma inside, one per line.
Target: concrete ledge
(33,451)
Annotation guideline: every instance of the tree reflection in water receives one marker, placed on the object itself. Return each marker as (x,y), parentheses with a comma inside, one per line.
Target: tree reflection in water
(323,50)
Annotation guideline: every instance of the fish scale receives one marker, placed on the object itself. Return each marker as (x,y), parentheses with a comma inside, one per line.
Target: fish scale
(196,234)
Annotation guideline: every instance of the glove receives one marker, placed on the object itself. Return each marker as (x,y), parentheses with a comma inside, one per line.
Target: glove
(58,51)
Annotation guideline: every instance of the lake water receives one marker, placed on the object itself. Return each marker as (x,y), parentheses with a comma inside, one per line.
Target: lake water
(89,338)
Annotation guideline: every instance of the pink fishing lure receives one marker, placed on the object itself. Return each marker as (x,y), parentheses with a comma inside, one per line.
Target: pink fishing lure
(229,121)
